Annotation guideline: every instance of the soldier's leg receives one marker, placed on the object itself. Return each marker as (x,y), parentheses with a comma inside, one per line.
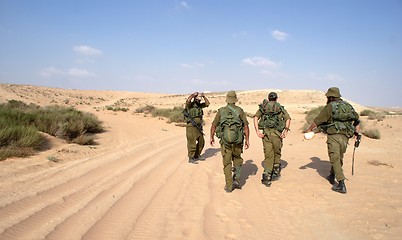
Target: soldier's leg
(227,167)
(277,144)
(191,141)
(237,163)
(268,154)
(334,152)
(200,144)
(344,144)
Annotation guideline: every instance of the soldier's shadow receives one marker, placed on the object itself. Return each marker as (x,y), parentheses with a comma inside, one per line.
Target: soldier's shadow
(248,169)
(210,152)
(322,167)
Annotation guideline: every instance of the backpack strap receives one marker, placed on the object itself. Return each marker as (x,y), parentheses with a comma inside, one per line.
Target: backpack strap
(234,110)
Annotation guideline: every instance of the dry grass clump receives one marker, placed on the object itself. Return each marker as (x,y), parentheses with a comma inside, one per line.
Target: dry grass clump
(372,133)
(310,115)
(372,115)
(20,125)
(173,115)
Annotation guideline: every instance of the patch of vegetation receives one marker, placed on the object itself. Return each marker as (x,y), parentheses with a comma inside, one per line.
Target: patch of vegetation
(310,115)
(173,115)
(145,109)
(372,115)
(372,133)
(116,109)
(20,124)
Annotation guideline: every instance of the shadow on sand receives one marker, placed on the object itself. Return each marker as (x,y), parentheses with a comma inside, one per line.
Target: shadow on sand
(322,167)
(248,169)
(210,152)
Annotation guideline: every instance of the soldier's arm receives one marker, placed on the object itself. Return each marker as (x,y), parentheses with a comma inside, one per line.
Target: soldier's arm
(212,133)
(191,97)
(247,135)
(286,129)
(205,100)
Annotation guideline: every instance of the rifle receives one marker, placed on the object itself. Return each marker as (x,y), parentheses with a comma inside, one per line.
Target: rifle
(199,127)
(357,143)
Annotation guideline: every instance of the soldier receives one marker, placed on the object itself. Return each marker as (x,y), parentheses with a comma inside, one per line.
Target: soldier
(274,121)
(193,115)
(340,122)
(231,127)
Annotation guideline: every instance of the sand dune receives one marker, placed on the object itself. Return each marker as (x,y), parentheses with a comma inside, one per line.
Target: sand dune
(136,182)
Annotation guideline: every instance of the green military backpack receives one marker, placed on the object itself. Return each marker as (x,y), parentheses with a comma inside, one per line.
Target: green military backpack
(343,115)
(230,129)
(271,115)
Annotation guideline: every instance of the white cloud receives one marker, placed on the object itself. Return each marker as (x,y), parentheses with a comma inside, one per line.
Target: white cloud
(261,62)
(75,72)
(184,4)
(50,72)
(278,35)
(87,50)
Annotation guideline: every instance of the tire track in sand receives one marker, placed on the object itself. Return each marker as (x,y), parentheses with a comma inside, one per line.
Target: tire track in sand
(39,214)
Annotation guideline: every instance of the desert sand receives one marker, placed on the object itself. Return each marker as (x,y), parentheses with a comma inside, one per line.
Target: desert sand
(136,183)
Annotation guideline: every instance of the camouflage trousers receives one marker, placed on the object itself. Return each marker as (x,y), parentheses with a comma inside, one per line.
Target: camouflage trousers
(272,151)
(337,145)
(195,142)
(231,158)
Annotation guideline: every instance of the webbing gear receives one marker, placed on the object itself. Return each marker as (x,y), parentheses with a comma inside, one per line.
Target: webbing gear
(271,116)
(192,121)
(343,116)
(230,129)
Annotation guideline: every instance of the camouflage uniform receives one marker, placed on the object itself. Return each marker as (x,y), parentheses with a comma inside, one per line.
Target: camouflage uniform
(272,142)
(195,139)
(337,141)
(231,153)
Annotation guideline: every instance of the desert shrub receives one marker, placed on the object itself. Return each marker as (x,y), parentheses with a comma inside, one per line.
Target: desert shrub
(17,140)
(84,139)
(173,115)
(366,112)
(145,109)
(20,125)
(66,123)
(372,133)
(372,115)
(310,115)
(379,116)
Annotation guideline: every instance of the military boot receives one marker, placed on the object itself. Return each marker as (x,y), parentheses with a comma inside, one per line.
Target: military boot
(331,178)
(236,178)
(341,188)
(192,160)
(229,189)
(266,179)
(276,172)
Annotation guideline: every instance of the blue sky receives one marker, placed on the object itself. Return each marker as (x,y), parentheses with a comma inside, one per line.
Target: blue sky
(173,46)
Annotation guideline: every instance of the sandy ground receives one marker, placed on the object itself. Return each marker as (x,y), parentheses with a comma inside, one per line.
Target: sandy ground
(136,182)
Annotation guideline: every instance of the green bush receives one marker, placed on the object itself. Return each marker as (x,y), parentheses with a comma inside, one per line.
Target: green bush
(173,115)
(310,115)
(366,112)
(372,133)
(372,115)
(145,109)
(379,116)
(20,125)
